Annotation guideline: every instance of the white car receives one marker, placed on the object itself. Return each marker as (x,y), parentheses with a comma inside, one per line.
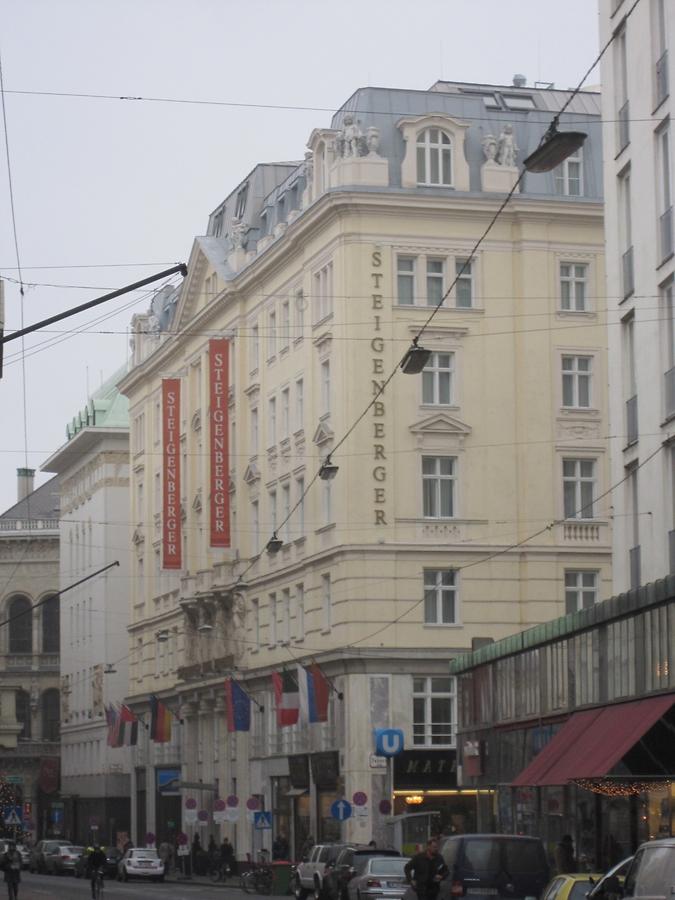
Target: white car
(140,863)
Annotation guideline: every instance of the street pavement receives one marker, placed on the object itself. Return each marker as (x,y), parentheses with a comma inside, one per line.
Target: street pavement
(44,887)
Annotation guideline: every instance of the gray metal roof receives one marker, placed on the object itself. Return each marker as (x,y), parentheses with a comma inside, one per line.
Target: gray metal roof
(42,503)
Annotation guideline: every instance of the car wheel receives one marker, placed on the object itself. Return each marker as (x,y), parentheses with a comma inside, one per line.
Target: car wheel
(318,890)
(298,890)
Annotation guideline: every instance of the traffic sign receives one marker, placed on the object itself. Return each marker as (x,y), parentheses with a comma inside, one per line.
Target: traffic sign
(12,816)
(360,798)
(385,807)
(388,741)
(341,810)
(262,820)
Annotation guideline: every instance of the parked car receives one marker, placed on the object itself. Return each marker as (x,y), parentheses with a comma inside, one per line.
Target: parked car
(310,872)
(349,861)
(25,855)
(494,865)
(651,874)
(38,854)
(140,863)
(378,876)
(62,859)
(598,890)
(112,857)
(570,887)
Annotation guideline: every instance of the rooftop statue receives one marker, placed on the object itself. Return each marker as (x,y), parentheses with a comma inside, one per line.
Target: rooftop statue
(507,149)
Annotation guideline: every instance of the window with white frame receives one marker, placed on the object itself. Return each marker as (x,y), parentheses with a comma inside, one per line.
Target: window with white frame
(435,281)
(576,381)
(664,192)
(299,404)
(464,287)
(285,413)
(272,334)
(285,325)
(285,630)
(139,433)
(569,176)
(323,292)
(272,610)
(573,287)
(668,314)
(578,488)
(274,512)
(581,590)
(286,509)
(325,387)
(255,526)
(254,431)
(272,421)
(438,486)
(326,602)
(405,279)
(299,612)
(438,380)
(157,422)
(300,304)
(255,348)
(240,207)
(300,509)
(326,502)
(434,708)
(255,624)
(440,597)
(434,158)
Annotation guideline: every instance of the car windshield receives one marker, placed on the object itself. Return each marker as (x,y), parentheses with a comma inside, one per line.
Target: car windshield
(144,854)
(388,866)
(579,890)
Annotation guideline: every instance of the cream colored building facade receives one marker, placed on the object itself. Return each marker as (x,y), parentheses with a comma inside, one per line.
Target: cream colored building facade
(468,503)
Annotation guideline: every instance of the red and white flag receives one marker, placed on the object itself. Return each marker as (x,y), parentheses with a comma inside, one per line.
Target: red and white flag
(287,698)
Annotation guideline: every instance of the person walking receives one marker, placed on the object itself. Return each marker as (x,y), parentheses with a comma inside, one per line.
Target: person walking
(95,860)
(11,864)
(564,855)
(426,870)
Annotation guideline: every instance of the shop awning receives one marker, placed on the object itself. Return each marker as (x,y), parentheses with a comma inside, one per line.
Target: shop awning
(592,742)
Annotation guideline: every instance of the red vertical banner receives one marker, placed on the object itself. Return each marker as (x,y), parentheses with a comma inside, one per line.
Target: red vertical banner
(219,384)
(171,530)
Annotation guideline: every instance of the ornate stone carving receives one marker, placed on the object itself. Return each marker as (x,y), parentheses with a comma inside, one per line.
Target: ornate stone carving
(239,234)
(506,147)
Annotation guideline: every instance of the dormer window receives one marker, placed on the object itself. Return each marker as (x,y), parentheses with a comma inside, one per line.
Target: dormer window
(240,207)
(263,223)
(434,157)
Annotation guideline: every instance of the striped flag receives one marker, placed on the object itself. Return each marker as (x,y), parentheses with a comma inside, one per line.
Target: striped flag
(314,693)
(160,721)
(112,720)
(128,728)
(237,707)
(286,697)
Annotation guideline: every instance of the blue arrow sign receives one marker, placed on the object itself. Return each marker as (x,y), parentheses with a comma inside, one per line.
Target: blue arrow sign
(262,820)
(341,810)
(388,741)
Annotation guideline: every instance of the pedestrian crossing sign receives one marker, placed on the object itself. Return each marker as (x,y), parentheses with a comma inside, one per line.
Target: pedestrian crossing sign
(12,816)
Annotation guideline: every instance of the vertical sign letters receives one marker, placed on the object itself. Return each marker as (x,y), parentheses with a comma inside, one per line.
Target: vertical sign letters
(219,371)
(377,347)
(171,528)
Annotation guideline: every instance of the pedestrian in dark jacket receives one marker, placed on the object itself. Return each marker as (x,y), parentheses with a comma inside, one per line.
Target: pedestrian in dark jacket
(426,870)
(564,855)
(11,865)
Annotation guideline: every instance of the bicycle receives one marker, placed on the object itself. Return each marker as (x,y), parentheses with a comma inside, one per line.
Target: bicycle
(258,880)
(98,884)
(220,872)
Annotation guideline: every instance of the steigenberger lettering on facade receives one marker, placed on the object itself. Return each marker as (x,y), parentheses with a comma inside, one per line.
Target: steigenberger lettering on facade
(379,471)
(219,376)
(171,524)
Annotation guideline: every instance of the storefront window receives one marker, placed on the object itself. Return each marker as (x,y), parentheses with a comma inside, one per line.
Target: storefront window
(658,808)
(329,828)
(281,807)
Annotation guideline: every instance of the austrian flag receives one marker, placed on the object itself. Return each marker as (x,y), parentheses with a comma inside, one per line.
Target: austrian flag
(286,697)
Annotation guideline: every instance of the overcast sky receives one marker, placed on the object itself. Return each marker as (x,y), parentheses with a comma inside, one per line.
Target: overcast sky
(129,184)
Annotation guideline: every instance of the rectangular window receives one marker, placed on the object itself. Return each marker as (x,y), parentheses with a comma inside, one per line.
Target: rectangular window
(576,381)
(325,387)
(434,706)
(272,421)
(440,599)
(621,91)
(255,348)
(272,335)
(659,26)
(569,176)
(272,605)
(274,512)
(323,293)
(139,433)
(299,612)
(438,486)
(240,207)
(573,283)
(437,380)
(664,193)
(406,280)
(464,286)
(581,590)
(285,631)
(629,372)
(255,526)
(300,511)
(300,304)
(286,509)
(285,325)
(299,404)
(578,488)
(625,225)
(435,281)
(285,413)
(326,502)
(254,431)
(326,602)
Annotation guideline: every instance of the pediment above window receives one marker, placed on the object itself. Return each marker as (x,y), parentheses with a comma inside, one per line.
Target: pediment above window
(252,473)
(413,126)
(440,431)
(323,434)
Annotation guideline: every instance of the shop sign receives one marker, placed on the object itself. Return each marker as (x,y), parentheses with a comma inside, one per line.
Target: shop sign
(377,762)
(325,769)
(171,491)
(219,488)
(425,770)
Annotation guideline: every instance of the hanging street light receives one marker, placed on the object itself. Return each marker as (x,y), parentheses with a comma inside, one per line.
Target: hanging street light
(415,359)
(328,470)
(274,545)
(554,148)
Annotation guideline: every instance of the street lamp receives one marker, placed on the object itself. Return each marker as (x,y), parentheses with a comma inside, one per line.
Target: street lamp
(415,359)
(274,545)
(328,470)
(162,636)
(554,148)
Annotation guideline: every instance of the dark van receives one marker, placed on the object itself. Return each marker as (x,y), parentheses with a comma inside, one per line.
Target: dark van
(488,866)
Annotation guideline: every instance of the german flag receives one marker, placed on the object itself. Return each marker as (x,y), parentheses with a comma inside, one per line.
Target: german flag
(160,721)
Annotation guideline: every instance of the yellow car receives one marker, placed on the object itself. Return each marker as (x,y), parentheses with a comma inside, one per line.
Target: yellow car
(570,887)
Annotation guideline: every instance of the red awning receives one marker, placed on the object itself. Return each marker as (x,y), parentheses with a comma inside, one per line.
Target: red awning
(592,742)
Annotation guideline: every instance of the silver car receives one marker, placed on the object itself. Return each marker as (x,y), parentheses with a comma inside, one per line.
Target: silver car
(378,876)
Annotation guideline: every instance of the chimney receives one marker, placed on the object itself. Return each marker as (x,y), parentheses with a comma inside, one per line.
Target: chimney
(519,81)
(24,482)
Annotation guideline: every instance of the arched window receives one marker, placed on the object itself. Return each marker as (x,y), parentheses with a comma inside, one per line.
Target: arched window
(20,626)
(434,157)
(50,715)
(50,625)
(23,714)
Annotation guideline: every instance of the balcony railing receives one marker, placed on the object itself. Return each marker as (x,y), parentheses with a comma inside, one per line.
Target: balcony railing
(634,561)
(623,134)
(671,550)
(581,531)
(29,524)
(669,392)
(631,420)
(666,234)
(662,78)
(627,282)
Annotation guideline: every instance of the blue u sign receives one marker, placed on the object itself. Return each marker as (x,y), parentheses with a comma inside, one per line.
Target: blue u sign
(388,741)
